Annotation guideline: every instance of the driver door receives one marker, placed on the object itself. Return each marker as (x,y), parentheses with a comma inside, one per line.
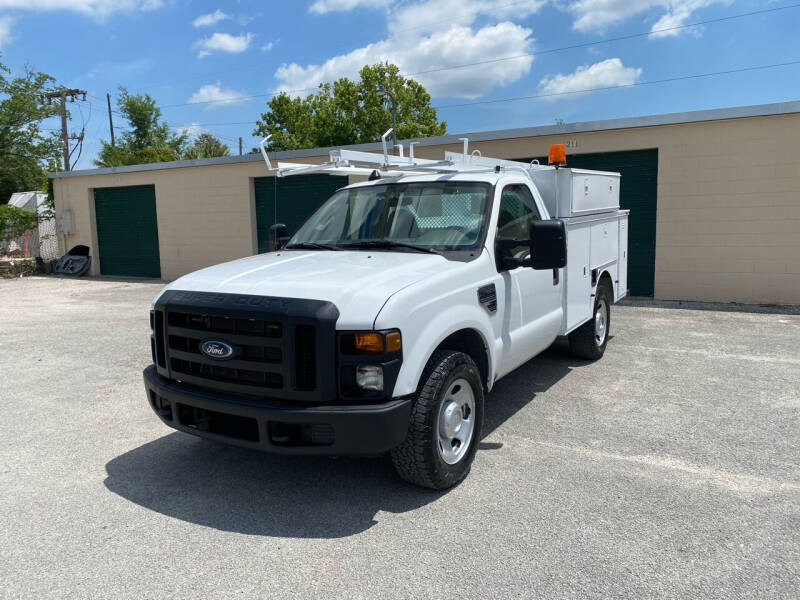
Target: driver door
(538,293)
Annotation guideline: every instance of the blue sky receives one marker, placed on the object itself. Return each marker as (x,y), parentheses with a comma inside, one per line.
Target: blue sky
(204,60)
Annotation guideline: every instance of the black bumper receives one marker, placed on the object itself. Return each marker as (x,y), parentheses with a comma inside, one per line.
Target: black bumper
(277,426)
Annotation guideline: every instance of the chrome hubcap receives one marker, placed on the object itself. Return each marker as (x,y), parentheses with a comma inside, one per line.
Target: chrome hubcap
(601,322)
(456,421)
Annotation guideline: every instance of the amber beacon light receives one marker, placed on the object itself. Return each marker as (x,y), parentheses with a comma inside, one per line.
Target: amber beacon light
(557,155)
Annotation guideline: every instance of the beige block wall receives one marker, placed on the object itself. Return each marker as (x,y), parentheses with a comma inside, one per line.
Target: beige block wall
(728,215)
(206,215)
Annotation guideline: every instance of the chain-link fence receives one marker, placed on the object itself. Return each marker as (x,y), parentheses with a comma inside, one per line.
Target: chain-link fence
(41,240)
(48,239)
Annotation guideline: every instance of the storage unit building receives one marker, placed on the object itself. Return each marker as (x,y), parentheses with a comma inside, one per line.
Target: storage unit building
(714,199)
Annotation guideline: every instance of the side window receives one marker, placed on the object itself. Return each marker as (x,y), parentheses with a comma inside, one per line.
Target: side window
(517,211)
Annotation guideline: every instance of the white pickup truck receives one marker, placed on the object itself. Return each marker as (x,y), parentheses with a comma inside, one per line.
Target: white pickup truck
(382,322)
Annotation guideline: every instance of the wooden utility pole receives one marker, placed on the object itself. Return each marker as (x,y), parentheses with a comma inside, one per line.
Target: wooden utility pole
(62,94)
(240,145)
(110,118)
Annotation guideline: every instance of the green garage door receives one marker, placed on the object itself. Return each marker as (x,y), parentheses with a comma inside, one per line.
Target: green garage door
(127,231)
(638,193)
(290,200)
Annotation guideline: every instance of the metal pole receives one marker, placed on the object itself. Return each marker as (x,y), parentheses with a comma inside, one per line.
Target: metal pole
(394,115)
(240,145)
(64,138)
(384,93)
(62,94)
(110,119)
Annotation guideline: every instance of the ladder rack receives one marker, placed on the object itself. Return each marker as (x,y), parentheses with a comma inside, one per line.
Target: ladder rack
(353,162)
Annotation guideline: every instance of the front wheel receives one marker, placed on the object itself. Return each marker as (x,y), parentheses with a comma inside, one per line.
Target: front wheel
(589,340)
(445,425)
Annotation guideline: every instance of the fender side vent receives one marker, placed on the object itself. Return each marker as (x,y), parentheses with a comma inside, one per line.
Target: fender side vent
(487,296)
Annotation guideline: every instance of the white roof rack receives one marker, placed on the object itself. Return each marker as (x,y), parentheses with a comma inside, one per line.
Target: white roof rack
(352,162)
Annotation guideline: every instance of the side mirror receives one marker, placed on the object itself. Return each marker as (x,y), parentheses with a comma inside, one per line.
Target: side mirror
(277,237)
(548,241)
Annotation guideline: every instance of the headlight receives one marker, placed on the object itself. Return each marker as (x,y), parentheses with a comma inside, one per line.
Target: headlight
(368,342)
(370,377)
(372,342)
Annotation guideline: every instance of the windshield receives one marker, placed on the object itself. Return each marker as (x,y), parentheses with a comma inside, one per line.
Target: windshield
(440,215)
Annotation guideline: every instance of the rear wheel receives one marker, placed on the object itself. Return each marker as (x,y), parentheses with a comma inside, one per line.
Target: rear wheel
(589,340)
(446,422)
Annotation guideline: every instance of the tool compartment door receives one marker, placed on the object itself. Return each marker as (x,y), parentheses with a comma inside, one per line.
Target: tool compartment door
(578,285)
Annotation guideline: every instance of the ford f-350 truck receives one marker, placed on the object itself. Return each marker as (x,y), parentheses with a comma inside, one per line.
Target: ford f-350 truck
(380,325)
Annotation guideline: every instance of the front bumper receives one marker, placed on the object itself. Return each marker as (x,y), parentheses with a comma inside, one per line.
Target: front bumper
(274,426)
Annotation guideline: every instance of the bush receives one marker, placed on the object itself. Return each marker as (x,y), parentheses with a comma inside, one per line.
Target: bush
(22,267)
(15,221)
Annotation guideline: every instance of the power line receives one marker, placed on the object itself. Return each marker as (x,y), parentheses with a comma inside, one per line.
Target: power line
(260,64)
(581,91)
(609,40)
(615,87)
(61,95)
(525,55)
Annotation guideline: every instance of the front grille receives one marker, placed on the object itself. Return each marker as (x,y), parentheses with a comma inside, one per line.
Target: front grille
(227,374)
(305,357)
(252,352)
(158,332)
(275,344)
(259,353)
(212,324)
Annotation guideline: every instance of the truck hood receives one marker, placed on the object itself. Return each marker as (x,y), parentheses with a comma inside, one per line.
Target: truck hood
(358,282)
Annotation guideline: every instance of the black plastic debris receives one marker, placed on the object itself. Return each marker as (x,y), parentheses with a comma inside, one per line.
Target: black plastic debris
(76,262)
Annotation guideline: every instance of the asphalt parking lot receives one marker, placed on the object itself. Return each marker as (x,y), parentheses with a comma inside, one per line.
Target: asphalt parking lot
(670,468)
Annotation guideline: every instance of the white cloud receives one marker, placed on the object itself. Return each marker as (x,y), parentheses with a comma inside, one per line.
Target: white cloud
(215,95)
(431,35)
(608,73)
(210,19)
(269,46)
(595,16)
(94,8)
(455,46)
(192,130)
(320,7)
(674,18)
(436,15)
(223,42)
(5,30)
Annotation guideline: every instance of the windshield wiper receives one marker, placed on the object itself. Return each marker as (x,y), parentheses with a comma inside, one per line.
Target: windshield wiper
(390,244)
(311,246)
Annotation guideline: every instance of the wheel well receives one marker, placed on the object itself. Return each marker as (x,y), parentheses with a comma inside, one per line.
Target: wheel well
(606,277)
(470,343)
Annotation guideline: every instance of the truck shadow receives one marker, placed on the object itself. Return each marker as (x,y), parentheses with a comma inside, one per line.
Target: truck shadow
(244,491)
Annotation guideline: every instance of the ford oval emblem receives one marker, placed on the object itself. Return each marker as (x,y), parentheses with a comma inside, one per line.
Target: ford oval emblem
(216,349)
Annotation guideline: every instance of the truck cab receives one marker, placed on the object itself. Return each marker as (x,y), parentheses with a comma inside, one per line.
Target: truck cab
(380,325)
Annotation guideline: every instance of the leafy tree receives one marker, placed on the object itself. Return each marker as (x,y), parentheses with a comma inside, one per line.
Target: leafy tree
(149,140)
(206,146)
(350,112)
(25,149)
(15,221)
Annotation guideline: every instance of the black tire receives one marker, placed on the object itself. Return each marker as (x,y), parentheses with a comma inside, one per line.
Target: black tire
(418,459)
(583,342)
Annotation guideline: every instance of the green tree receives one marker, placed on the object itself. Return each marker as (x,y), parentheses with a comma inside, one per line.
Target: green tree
(206,146)
(149,139)
(15,221)
(350,112)
(25,149)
